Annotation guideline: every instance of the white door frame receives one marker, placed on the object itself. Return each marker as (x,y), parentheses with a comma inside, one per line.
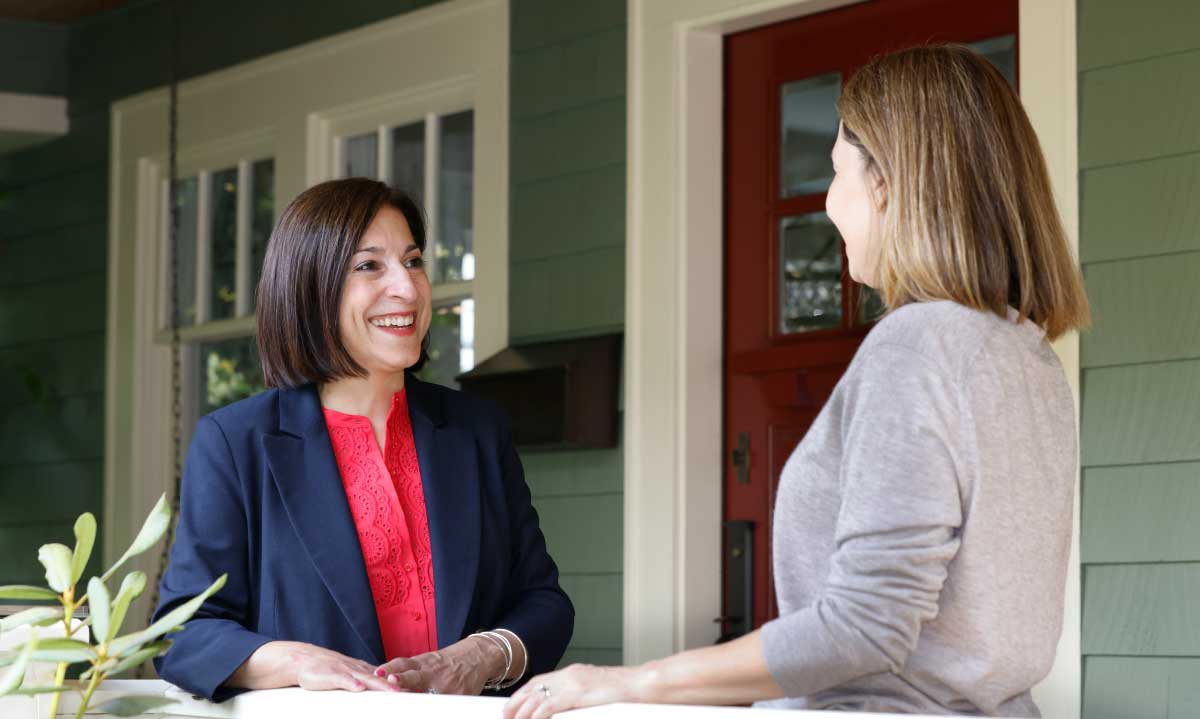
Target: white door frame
(674,277)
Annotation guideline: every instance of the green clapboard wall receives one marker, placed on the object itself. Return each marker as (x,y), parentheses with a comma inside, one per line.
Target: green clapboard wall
(567,272)
(1139,156)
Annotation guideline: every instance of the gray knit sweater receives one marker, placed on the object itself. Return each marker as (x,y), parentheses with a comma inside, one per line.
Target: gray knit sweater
(923,525)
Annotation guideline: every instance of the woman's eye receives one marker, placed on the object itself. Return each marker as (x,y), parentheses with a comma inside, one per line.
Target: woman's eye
(415,263)
(366,266)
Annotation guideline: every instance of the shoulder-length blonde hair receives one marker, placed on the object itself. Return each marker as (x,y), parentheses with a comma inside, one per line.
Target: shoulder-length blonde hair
(969,213)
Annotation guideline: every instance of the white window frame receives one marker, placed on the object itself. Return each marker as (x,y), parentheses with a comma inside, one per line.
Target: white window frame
(271,107)
(673,355)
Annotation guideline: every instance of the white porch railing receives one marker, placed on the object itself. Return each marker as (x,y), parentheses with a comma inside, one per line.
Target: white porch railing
(301,704)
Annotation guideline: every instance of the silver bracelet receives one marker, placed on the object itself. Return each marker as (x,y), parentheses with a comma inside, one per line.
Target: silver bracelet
(517,678)
(506,648)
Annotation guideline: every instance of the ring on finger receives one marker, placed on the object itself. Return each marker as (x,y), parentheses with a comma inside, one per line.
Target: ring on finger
(545,690)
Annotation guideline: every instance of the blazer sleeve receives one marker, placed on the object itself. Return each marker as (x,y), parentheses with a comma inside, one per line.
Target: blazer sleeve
(538,610)
(211,539)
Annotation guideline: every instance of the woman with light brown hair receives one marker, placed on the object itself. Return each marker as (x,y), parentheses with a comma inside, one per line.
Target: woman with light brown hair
(923,525)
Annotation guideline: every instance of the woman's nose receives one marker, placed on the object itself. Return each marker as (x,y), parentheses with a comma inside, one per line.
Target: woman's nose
(401,285)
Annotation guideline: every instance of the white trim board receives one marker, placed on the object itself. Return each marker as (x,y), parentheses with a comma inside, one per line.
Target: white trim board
(271,103)
(673,348)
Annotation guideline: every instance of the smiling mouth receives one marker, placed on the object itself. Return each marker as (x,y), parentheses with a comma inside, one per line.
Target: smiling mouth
(393,321)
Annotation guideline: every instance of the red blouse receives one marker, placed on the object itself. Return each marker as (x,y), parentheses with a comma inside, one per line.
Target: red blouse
(388,504)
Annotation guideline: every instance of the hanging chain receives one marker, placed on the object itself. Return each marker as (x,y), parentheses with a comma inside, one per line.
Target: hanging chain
(176,345)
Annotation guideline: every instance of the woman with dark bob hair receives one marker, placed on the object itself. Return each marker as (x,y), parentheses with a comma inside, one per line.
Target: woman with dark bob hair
(922,527)
(376,530)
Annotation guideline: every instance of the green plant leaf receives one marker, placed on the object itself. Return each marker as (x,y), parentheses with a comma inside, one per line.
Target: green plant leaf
(131,588)
(11,680)
(100,604)
(127,645)
(152,530)
(85,539)
(56,558)
(32,691)
(145,653)
(30,616)
(133,704)
(25,591)
(54,650)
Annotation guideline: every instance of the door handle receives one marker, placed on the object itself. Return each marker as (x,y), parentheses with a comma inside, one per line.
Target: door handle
(740,456)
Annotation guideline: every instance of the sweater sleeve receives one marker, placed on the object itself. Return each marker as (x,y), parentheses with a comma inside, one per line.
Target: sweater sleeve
(896,531)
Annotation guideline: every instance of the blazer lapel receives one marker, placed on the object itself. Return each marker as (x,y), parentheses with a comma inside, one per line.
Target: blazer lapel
(307,477)
(450,481)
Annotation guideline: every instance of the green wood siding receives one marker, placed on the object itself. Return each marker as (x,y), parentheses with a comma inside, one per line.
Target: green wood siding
(1139,152)
(33,58)
(567,272)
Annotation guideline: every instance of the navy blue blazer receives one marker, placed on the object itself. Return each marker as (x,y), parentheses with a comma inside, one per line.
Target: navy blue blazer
(262,501)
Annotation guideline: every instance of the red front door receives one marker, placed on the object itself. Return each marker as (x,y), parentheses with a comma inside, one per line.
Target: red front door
(793,316)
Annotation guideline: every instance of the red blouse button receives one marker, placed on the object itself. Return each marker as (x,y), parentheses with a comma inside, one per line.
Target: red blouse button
(417,616)
(408,567)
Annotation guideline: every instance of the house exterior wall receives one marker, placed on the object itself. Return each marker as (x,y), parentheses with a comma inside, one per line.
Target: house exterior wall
(1139,158)
(567,270)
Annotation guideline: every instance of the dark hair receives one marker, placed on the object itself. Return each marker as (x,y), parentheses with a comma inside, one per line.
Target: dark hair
(304,272)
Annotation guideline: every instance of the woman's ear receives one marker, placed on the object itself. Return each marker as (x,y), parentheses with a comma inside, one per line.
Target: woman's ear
(878,189)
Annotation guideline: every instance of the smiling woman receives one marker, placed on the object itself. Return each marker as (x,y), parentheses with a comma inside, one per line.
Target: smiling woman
(368,521)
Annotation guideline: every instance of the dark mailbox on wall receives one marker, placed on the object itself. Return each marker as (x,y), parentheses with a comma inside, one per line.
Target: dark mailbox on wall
(558,395)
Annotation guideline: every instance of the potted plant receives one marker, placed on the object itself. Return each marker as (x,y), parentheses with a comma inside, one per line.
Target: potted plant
(109,653)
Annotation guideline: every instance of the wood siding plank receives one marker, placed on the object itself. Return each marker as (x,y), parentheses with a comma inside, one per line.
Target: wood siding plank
(74,307)
(1142,609)
(567,142)
(559,474)
(567,215)
(1140,111)
(570,74)
(1142,513)
(1117,31)
(1144,310)
(566,294)
(598,599)
(50,493)
(1140,209)
(583,534)
(536,23)
(1141,414)
(64,430)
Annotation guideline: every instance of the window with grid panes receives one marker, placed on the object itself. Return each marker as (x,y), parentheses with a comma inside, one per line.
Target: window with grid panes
(225,219)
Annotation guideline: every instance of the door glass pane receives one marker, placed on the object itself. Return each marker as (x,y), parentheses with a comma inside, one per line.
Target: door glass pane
(455,252)
(1002,53)
(186,201)
(262,215)
(230,371)
(408,159)
(809,125)
(360,156)
(810,283)
(451,343)
(222,214)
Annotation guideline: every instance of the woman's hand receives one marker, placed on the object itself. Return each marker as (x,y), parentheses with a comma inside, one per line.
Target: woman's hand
(461,668)
(577,686)
(290,664)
